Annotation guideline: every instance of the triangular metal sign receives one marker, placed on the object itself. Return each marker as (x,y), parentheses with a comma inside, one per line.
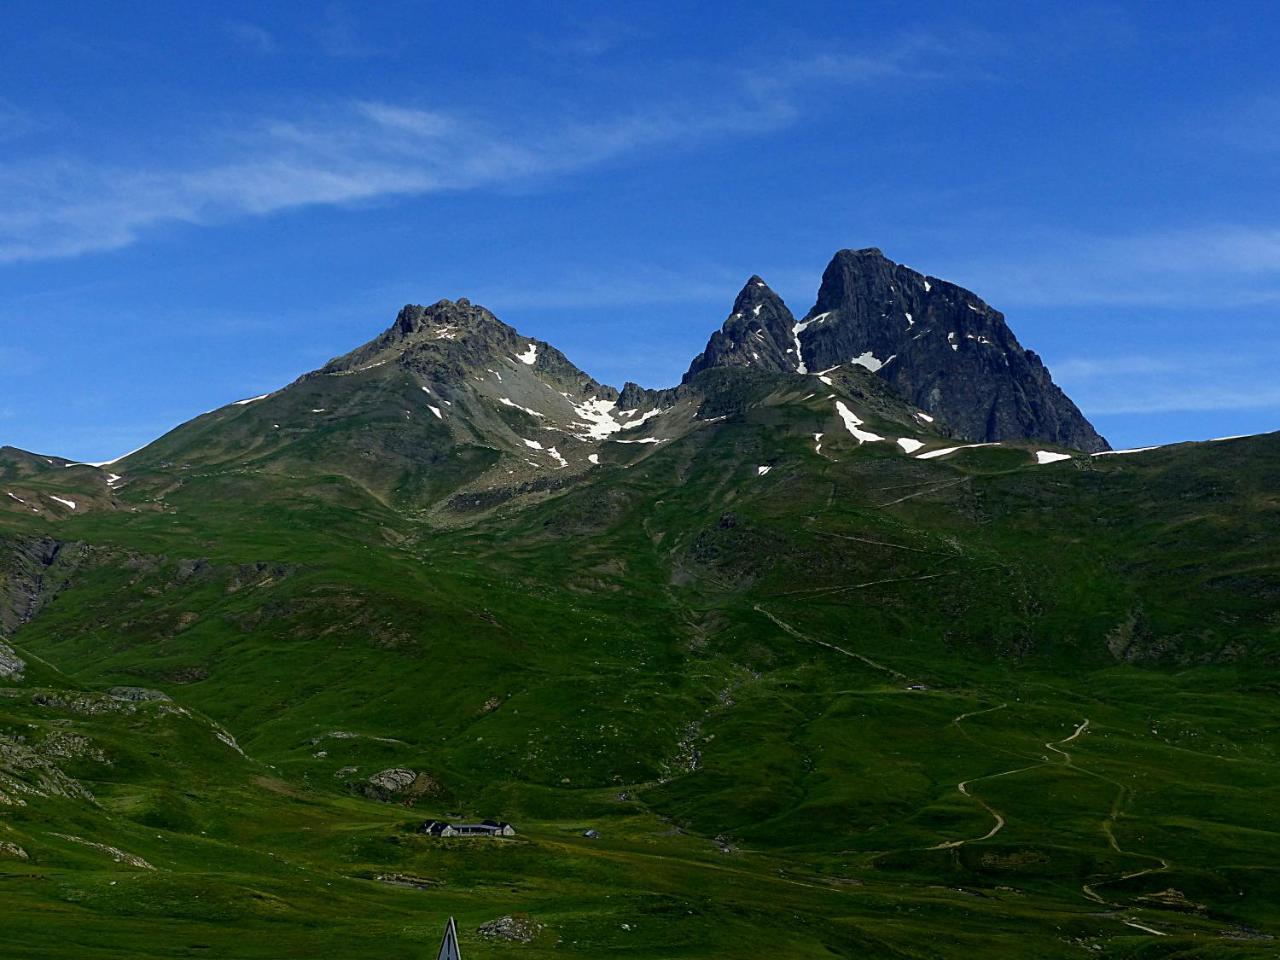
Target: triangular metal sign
(449,946)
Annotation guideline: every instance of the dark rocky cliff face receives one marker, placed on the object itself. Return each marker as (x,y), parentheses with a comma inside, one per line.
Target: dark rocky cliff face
(940,346)
(758,333)
(459,340)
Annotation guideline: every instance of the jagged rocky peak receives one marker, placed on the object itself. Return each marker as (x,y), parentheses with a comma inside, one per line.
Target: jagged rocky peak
(634,396)
(457,338)
(759,332)
(943,348)
(444,319)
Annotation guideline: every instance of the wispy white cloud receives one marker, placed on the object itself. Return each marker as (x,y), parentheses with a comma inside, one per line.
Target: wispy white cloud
(359,151)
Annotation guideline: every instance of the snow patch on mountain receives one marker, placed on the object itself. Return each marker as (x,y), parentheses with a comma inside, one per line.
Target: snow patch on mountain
(852,422)
(648,414)
(511,403)
(1048,456)
(798,329)
(933,454)
(868,360)
(597,417)
(1116,453)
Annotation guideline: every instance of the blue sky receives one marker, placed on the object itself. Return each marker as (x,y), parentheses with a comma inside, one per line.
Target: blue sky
(197,204)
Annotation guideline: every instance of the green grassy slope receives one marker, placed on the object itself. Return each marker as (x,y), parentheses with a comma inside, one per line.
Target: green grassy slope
(764,690)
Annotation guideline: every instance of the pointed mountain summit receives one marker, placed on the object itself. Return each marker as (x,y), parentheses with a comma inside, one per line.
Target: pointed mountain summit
(758,333)
(941,348)
(451,411)
(456,339)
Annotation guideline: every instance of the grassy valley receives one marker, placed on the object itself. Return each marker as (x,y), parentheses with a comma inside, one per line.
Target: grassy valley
(857,703)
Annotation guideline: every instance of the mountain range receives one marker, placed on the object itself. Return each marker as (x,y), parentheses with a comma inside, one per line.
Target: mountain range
(860,641)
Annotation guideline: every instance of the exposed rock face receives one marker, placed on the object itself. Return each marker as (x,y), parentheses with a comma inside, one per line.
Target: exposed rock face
(511,929)
(396,780)
(455,340)
(758,333)
(941,347)
(31,572)
(399,783)
(136,694)
(115,853)
(12,850)
(31,770)
(12,666)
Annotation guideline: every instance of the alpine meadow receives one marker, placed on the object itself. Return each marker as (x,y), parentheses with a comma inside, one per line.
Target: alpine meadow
(860,640)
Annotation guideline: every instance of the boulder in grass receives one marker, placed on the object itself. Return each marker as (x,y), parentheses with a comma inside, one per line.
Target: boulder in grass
(399,783)
(12,666)
(511,929)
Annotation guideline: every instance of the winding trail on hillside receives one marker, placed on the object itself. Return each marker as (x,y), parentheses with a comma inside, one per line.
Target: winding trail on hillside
(998,819)
(963,787)
(1117,806)
(787,628)
(920,493)
(1053,744)
(996,815)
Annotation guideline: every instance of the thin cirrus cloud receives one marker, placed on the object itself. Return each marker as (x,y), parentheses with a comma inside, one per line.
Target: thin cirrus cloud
(360,151)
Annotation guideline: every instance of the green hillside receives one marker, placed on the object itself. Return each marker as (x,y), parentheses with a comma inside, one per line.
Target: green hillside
(819,696)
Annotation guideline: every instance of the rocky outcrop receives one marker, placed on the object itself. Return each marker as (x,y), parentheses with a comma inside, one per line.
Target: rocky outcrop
(399,783)
(941,347)
(760,332)
(452,340)
(137,694)
(31,770)
(32,572)
(510,929)
(12,851)
(115,853)
(12,666)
